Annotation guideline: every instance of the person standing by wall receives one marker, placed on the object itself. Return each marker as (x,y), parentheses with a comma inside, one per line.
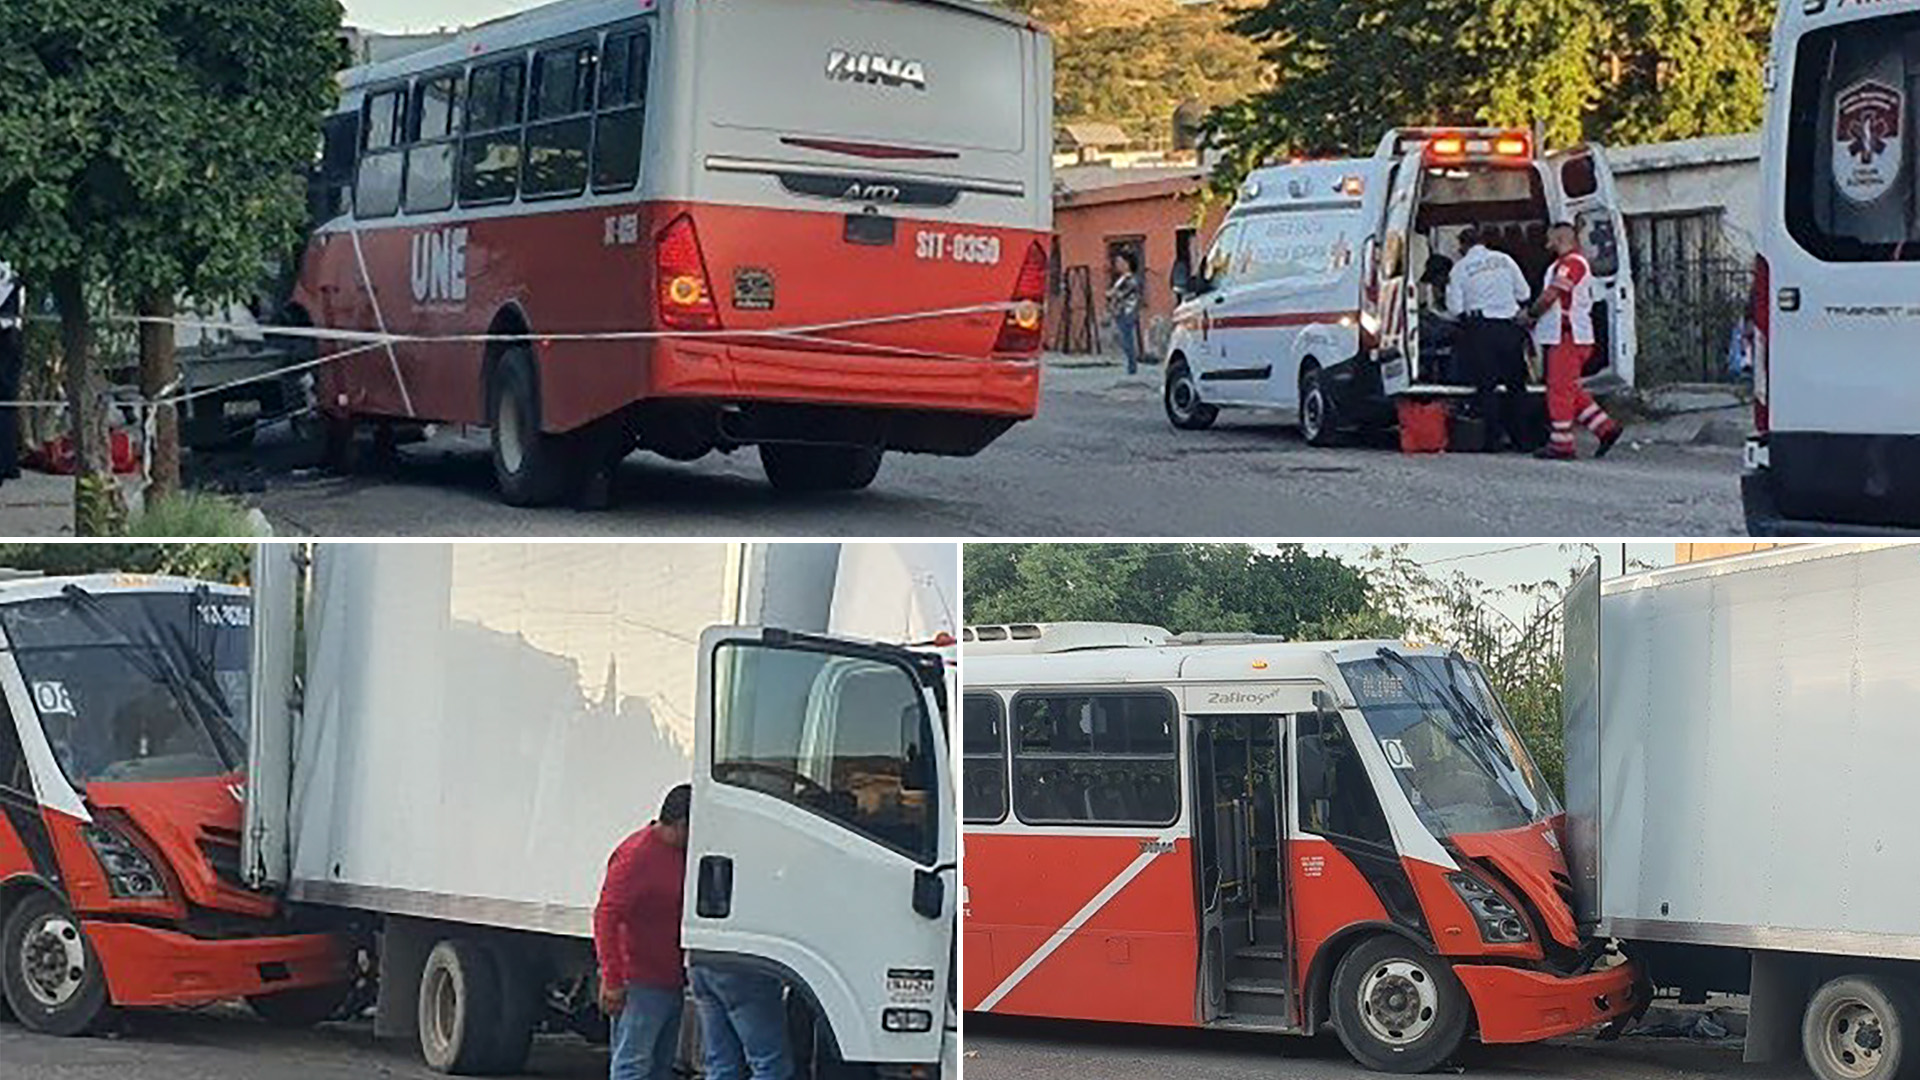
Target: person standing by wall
(1563,326)
(636,935)
(13,304)
(1123,304)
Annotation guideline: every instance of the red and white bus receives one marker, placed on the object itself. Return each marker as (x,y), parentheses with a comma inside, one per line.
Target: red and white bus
(123,712)
(712,169)
(1261,836)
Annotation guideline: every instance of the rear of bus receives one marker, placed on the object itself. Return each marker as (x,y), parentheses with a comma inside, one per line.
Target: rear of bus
(1836,319)
(877,172)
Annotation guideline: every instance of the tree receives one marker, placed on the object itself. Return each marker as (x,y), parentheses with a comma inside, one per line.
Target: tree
(227,563)
(150,148)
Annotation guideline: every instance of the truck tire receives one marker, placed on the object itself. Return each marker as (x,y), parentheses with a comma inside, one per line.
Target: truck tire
(299,1009)
(460,1008)
(531,467)
(1397,1007)
(1319,418)
(520,1004)
(1184,408)
(802,469)
(52,977)
(1862,1027)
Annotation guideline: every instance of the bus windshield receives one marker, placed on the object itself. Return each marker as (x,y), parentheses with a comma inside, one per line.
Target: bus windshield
(133,687)
(1450,743)
(1852,193)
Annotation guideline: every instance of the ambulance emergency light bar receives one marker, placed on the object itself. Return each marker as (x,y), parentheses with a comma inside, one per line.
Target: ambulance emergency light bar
(1460,144)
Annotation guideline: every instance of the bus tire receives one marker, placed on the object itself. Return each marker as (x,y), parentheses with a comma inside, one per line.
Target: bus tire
(52,978)
(303,1008)
(1319,417)
(1398,1007)
(460,1008)
(531,467)
(1184,408)
(802,469)
(1862,1027)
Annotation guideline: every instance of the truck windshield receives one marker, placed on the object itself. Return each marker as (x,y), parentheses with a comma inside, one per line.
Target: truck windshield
(1450,743)
(135,686)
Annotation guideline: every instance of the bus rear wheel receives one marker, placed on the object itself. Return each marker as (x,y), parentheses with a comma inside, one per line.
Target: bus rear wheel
(803,469)
(531,467)
(1397,1007)
(1862,1027)
(52,977)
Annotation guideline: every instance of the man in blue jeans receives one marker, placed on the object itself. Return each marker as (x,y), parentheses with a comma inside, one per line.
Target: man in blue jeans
(636,934)
(743,1025)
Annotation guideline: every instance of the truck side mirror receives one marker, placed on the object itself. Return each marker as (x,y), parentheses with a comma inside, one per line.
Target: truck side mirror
(929,894)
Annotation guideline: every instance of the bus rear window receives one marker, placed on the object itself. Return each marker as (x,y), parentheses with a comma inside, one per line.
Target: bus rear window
(1851,190)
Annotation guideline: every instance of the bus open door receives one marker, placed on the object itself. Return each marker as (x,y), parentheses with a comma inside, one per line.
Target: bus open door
(1580,184)
(823,842)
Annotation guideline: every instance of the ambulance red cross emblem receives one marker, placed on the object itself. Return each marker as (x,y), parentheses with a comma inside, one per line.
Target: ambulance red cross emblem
(1867,139)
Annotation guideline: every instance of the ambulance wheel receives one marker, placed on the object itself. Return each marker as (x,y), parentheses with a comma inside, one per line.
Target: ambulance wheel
(303,1008)
(52,980)
(798,468)
(460,1008)
(1184,408)
(531,467)
(1862,1027)
(1319,419)
(1397,1007)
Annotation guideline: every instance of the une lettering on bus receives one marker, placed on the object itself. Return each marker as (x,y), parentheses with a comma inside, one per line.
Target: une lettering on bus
(440,266)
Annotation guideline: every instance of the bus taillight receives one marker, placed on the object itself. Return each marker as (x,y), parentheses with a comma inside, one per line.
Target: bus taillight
(686,293)
(1022,329)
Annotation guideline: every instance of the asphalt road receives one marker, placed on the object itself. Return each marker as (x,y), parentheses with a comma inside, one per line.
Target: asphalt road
(1100,461)
(1017,1049)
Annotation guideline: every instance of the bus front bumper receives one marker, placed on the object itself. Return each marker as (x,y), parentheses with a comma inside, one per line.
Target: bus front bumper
(732,372)
(1515,1005)
(147,966)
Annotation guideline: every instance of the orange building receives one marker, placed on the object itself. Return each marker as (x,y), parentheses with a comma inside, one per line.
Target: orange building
(1690,553)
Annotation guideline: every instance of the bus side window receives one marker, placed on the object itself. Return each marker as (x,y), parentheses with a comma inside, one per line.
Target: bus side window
(377,192)
(435,122)
(1101,758)
(623,109)
(984,760)
(490,153)
(1336,797)
(14,777)
(332,179)
(559,126)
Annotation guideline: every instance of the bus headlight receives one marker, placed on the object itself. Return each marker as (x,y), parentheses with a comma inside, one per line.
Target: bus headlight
(1499,923)
(130,874)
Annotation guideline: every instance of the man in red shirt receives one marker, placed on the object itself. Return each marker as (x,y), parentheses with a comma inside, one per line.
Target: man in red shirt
(1563,327)
(636,934)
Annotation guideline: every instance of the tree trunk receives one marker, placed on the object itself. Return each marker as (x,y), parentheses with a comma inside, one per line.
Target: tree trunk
(158,368)
(98,509)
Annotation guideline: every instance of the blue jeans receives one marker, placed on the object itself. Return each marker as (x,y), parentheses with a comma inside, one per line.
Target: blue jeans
(1127,329)
(743,1025)
(646,1034)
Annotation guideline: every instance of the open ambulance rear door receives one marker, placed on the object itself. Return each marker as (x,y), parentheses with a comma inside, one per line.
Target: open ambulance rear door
(823,840)
(1394,296)
(1580,185)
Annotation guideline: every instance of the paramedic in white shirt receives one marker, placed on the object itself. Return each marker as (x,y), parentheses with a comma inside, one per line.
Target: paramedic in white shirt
(13,303)
(1488,292)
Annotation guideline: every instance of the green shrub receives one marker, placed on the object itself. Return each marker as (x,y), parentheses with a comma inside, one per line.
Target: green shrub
(193,514)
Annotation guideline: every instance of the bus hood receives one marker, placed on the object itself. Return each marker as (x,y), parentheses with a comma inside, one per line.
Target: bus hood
(195,826)
(1530,858)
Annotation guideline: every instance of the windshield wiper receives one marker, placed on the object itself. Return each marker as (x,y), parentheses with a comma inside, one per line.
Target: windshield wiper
(1476,741)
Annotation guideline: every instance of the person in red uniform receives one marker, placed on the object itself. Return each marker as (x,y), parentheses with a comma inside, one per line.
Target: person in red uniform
(1563,327)
(636,935)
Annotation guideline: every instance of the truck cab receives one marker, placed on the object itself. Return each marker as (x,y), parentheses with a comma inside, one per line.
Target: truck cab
(122,772)
(1323,292)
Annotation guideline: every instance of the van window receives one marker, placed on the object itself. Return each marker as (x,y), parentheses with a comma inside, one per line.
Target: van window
(1851,190)
(984,753)
(377,192)
(1103,758)
(490,154)
(623,112)
(1287,247)
(1220,257)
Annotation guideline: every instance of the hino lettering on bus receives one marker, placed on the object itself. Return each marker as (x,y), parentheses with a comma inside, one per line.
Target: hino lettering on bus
(844,66)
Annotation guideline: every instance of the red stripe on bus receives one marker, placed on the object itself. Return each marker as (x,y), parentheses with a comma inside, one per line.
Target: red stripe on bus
(873,151)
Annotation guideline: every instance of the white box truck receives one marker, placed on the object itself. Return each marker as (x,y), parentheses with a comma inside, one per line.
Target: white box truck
(449,741)
(1741,737)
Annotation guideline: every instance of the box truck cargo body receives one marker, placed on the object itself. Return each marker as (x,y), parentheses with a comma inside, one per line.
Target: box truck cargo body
(452,739)
(1740,745)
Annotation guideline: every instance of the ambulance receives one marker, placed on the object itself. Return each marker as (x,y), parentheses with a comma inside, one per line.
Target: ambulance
(1315,297)
(1836,299)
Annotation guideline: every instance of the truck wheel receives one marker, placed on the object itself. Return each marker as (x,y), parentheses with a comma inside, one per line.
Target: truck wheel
(532,467)
(1862,1027)
(520,1003)
(460,1008)
(52,979)
(298,1009)
(1184,408)
(809,469)
(1397,1007)
(1319,420)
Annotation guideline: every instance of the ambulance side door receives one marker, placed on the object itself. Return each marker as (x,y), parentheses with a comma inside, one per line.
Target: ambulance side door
(1581,184)
(1394,299)
(1210,352)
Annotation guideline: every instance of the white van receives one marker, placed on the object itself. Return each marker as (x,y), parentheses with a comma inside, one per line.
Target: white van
(1836,315)
(1312,300)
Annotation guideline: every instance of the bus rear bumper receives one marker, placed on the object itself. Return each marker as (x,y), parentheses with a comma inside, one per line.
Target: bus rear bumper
(147,966)
(727,372)
(1515,1005)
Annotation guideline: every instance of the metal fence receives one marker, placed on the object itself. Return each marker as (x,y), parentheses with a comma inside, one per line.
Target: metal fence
(1689,316)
